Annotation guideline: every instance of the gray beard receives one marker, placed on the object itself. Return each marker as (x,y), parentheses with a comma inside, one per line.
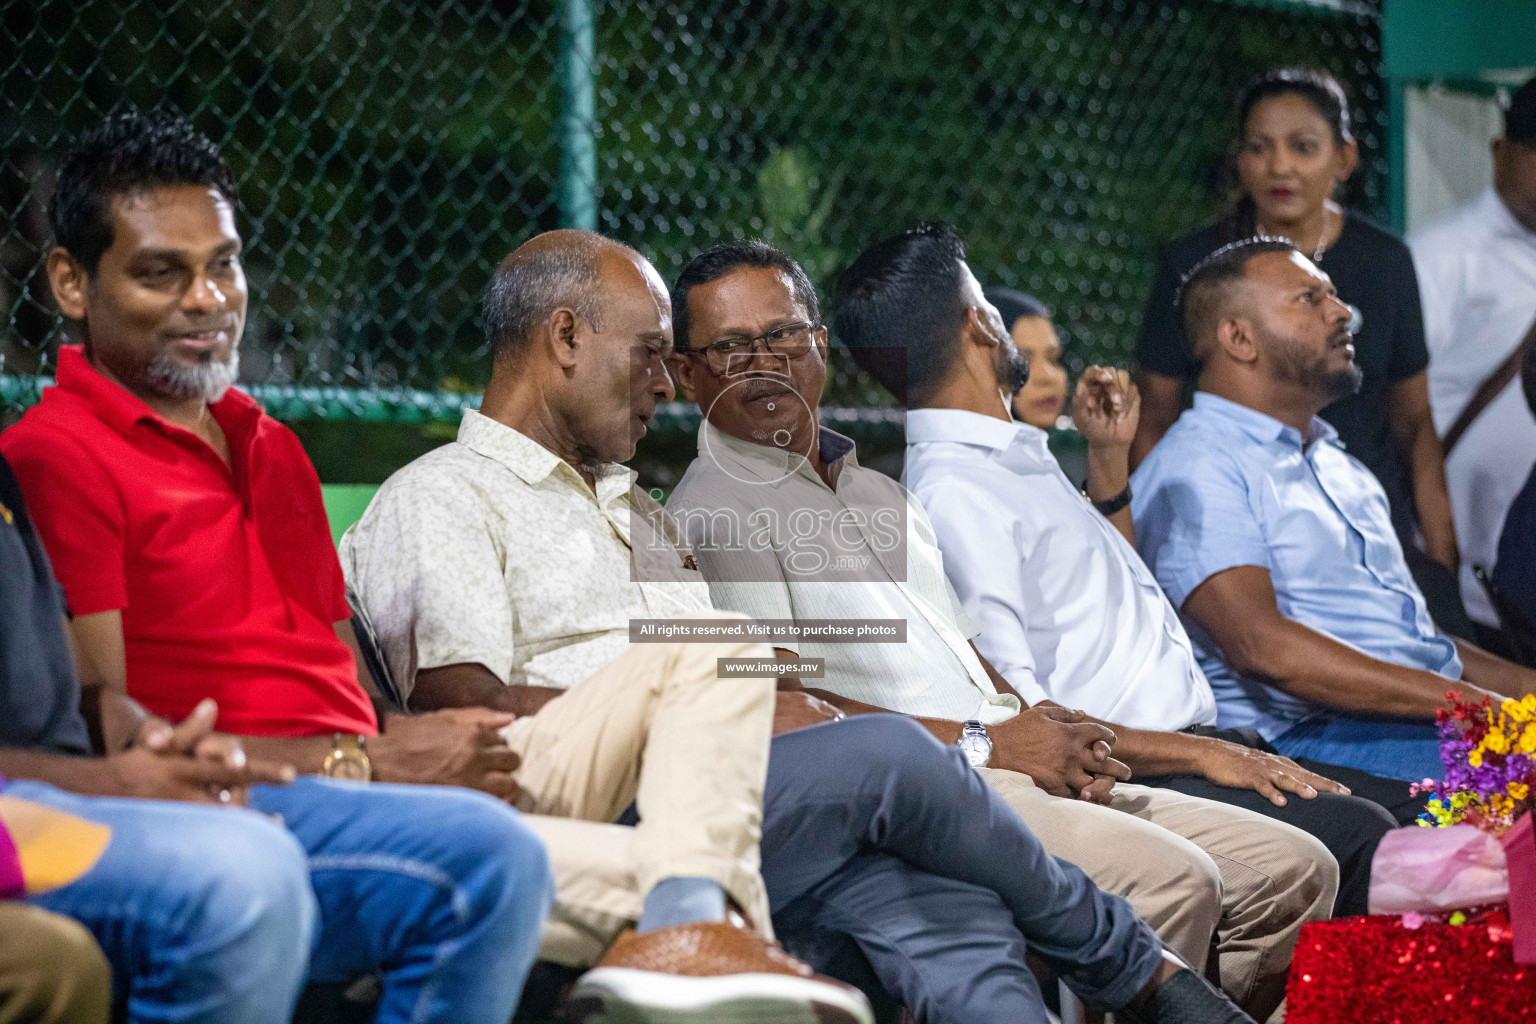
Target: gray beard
(207,381)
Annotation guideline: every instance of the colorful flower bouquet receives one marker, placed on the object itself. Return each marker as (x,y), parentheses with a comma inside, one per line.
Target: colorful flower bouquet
(1489,767)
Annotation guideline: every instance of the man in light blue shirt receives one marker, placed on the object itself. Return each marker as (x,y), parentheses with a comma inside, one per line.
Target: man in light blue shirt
(1277,546)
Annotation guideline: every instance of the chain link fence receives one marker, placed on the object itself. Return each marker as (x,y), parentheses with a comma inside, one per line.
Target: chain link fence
(391,152)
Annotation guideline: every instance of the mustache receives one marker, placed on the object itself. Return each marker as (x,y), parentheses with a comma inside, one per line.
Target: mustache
(756,386)
(224,324)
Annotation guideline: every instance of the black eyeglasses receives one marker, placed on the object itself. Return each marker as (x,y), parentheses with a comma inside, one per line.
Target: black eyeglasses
(791,341)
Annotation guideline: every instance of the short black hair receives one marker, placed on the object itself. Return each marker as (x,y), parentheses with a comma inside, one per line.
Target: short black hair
(1520,116)
(1204,289)
(1015,305)
(530,285)
(899,309)
(128,153)
(721,259)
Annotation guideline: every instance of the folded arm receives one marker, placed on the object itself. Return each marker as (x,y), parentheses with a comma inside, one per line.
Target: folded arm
(187,761)
(1237,608)
(472,685)
(457,748)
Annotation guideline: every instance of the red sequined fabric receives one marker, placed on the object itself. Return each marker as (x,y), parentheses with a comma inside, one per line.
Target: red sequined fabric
(1373,970)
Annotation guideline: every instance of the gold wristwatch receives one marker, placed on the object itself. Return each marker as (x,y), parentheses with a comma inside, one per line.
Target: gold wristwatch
(348,758)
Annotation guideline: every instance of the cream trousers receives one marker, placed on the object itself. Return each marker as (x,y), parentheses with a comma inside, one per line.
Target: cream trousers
(655,727)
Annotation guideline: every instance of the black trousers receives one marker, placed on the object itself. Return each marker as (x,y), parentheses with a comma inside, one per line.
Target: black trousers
(1350,826)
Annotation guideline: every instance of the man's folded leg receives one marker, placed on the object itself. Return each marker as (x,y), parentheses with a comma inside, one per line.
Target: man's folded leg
(1172,885)
(950,951)
(205,913)
(441,890)
(657,727)
(874,828)
(882,782)
(1198,866)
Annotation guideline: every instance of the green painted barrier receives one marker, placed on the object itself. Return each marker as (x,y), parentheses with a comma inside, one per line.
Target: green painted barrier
(344,505)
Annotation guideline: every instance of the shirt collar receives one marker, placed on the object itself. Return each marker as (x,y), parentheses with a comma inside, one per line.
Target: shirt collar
(770,463)
(531,461)
(122,410)
(1261,426)
(962,426)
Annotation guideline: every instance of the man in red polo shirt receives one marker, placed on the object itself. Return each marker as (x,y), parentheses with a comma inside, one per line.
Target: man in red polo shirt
(185,524)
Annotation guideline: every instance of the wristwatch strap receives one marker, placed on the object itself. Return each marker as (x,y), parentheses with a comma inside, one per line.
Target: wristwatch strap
(1110,506)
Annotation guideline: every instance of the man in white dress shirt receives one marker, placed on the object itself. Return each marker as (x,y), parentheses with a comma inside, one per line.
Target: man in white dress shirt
(1067,610)
(1477,279)
(786,525)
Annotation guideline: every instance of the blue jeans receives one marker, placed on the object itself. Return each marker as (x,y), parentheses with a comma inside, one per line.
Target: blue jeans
(875,832)
(219,915)
(1409,751)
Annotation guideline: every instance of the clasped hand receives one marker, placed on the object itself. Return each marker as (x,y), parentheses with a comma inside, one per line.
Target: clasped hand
(191,762)
(1062,751)
(456,747)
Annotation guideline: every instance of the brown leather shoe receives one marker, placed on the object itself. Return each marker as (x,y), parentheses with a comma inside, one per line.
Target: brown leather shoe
(709,972)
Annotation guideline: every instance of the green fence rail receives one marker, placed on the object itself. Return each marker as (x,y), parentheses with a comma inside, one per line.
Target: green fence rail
(400,405)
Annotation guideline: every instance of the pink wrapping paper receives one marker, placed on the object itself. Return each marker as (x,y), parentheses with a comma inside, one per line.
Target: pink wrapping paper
(1520,853)
(12,882)
(1433,870)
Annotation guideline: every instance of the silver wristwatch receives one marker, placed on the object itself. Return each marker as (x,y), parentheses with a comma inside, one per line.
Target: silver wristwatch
(976,744)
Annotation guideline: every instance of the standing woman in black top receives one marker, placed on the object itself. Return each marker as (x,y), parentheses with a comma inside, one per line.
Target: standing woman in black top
(1294,149)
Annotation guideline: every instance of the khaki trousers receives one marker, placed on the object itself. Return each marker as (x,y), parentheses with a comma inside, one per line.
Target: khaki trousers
(51,971)
(1193,868)
(655,727)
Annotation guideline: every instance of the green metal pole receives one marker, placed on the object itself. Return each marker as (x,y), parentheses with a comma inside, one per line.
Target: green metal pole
(578,111)
(1397,154)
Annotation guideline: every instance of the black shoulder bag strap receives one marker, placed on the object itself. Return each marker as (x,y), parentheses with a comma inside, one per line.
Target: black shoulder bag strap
(1489,390)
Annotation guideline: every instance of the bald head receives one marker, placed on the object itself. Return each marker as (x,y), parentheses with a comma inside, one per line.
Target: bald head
(562,269)
(579,327)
